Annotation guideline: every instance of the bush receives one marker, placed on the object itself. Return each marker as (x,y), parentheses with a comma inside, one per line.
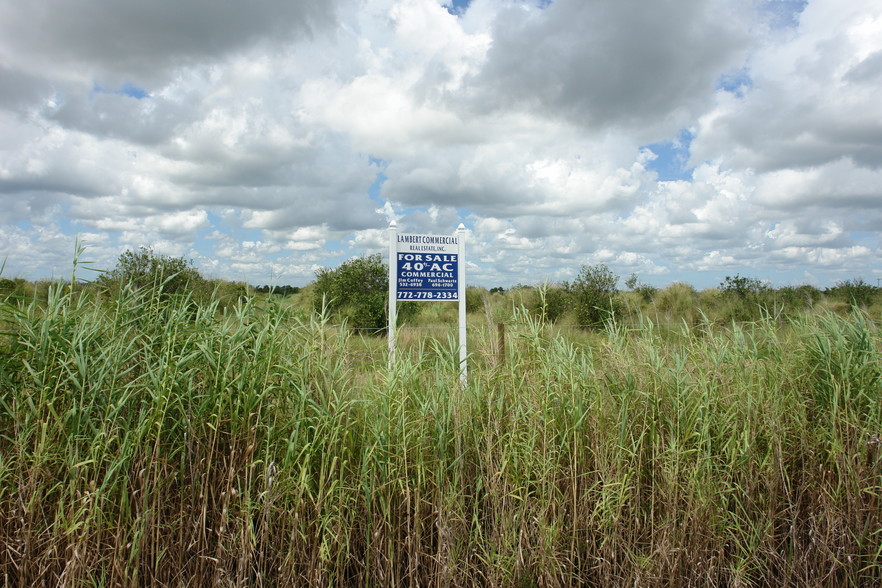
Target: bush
(645,291)
(798,298)
(594,294)
(742,287)
(147,269)
(551,301)
(744,298)
(17,288)
(358,292)
(475,299)
(227,294)
(857,293)
(286,290)
(678,302)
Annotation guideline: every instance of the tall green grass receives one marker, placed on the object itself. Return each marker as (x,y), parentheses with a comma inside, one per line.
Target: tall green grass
(160,442)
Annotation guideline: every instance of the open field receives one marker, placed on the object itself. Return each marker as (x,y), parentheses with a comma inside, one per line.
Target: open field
(156,442)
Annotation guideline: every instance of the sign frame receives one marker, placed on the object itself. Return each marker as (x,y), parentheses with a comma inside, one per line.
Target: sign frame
(434,270)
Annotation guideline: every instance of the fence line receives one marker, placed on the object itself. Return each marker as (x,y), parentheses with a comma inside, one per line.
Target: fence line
(544,325)
(498,349)
(505,324)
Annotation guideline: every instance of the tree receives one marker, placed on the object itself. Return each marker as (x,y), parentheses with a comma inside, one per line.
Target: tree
(358,291)
(742,287)
(644,290)
(745,298)
(146,269)
(285,290)
(594,292)
(856,292)
(551,301)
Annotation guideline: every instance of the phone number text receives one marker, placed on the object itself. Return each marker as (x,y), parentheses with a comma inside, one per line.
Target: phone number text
(422,295)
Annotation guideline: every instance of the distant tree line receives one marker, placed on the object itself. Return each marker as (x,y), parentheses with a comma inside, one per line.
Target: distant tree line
(285,290)
(356,292)
(593,299)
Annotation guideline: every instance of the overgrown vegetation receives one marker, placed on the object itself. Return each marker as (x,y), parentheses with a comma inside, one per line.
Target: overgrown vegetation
(645,291)
(162,444)
(145,269)
(855,292)
(358,292)
(594,295)
(286,290)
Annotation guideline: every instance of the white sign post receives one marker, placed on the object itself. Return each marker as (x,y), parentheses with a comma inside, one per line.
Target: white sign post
(427,267)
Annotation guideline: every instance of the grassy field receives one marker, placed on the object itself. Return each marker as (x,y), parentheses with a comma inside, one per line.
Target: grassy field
(156,442)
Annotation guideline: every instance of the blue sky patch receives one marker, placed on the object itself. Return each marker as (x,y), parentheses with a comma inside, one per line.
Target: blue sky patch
(457,7)
(672,162)
(736,82)
(783,13)
(128,89)
(68,224)
(374,190)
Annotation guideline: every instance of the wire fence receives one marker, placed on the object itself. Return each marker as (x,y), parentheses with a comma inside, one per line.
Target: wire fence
(492,340)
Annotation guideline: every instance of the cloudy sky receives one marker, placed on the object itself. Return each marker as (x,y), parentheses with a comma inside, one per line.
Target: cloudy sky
(681,140)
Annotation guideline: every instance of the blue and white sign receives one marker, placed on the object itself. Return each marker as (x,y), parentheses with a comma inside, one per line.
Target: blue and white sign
(427,267)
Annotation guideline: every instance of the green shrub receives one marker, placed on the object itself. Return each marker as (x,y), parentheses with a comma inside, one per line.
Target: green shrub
(475,299)
(744,299)
(286,290)
(15,288)
(358,292)
(550,301)
(594,294)
(797,298)
(227,294)
(742,287)
(144,269)
(856,292)
(645,291)
(678,302)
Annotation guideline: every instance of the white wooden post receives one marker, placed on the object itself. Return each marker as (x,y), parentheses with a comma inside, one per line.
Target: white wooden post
(461,279)
(393,289)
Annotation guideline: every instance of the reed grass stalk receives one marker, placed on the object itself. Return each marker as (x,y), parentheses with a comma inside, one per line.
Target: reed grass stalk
(163,441)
